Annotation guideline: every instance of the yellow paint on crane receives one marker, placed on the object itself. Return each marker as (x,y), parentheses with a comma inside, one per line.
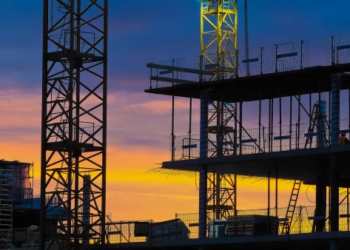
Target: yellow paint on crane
(219,36)
(218,30)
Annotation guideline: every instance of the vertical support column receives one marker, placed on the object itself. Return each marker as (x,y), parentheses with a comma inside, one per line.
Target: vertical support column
(347,208)
(268,201)
(298,124)
(334,167)
(269,127)
(280,118)
(321,201)
(332,48)
(310,116)
(276,192)
(218,196)
(259,141)
(235,197)
(235,144)
(349,108)
(290,121)
(219,128)
(219,152)
(203,169)
(173,118)
(334,193)
(190,130)
(105,90)
(261,60)
(42,244)
(270,136)
(86,209)
(335,109)
(240,120)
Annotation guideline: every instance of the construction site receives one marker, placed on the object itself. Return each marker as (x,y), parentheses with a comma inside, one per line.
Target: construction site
(241,93)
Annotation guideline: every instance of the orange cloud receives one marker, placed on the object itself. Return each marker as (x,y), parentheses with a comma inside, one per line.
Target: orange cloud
(136,143)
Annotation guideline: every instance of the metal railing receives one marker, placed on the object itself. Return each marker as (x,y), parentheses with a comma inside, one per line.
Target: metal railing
(245,223)
(263,222)
(256,140)
(262,60)
(338,49)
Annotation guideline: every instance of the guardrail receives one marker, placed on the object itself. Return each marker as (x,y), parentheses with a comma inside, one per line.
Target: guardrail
(261,60)
(263,222)
(256,141)
(244,223)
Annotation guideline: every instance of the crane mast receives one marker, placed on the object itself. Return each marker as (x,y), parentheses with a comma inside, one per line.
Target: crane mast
(74,119)
(218,31)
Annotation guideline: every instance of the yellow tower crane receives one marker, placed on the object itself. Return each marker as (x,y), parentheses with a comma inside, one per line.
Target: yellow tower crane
(219,54)
(219,37)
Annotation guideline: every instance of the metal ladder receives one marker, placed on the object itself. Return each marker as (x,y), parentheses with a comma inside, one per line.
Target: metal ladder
(225,4)
(205,5)
(291,207)
(314,116)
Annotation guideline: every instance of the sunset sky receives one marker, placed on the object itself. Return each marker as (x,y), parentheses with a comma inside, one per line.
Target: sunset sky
(139,124)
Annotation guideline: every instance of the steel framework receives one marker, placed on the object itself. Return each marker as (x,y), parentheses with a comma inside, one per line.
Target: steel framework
(219,54)
(219,37)
(74,112)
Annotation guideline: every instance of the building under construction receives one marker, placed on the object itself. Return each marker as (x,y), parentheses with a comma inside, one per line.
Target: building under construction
(264,113)
(16,193)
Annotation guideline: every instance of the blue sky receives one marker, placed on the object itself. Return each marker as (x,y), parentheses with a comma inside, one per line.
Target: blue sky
(143,31)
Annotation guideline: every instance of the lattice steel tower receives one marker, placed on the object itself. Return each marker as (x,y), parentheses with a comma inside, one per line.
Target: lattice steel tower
(219,54)
(74,112)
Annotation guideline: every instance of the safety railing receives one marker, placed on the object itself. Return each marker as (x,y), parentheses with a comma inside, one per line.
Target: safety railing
(126,232)
(256,141)
(263,222)
(263,60)
(338,49)
(254,222)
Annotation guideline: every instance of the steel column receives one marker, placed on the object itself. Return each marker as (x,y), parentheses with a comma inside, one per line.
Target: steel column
(268,201)
(321,201)
(173,119)
(203,169)
(276,192)
(334,168)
